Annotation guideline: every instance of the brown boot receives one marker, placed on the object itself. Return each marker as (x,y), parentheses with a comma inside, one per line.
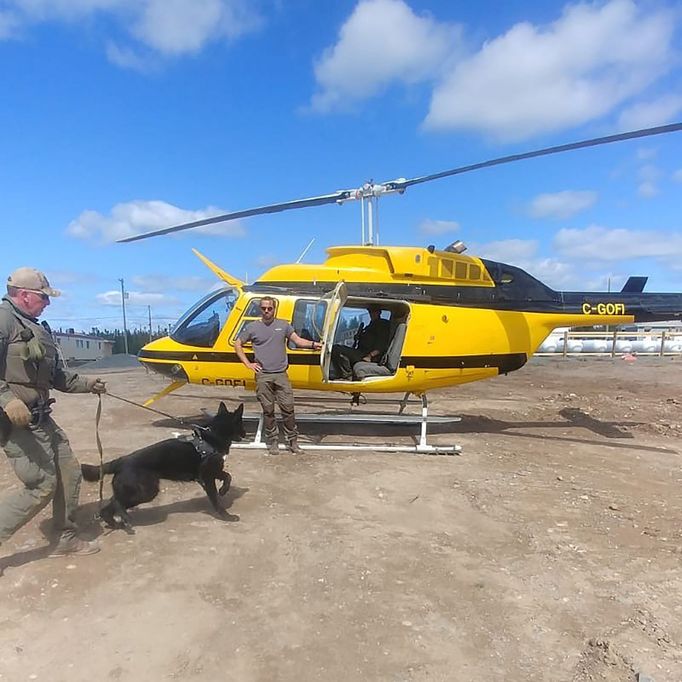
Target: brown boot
(74,547)
(295,448)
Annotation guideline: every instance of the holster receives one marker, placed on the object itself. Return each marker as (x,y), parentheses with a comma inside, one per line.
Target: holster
(41,410)
(5,427)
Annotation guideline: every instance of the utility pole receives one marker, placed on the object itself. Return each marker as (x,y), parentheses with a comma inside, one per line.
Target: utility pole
(149,310)
(123,306)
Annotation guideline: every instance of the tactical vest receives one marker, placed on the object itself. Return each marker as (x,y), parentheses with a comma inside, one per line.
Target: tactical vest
(31,355)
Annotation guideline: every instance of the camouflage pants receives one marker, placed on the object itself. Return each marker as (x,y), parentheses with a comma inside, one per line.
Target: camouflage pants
(44,463)
(274,388)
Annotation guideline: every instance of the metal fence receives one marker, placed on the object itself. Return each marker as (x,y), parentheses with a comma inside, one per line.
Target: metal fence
(659,342)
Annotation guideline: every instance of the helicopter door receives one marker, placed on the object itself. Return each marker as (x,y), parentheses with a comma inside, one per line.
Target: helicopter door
(335,301)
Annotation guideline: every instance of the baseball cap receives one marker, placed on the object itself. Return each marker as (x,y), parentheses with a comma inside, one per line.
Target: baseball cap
(33,280)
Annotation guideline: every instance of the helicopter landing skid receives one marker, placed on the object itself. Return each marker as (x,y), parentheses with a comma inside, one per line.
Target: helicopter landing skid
(422,447)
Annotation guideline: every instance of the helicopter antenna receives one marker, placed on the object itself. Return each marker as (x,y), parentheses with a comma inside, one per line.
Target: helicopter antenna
(370,193)
(303,253)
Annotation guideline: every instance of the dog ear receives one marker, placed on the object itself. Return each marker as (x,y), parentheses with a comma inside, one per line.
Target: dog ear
(239,411)
(222,409)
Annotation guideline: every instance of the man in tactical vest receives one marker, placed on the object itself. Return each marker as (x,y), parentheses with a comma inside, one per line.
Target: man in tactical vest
(36,447)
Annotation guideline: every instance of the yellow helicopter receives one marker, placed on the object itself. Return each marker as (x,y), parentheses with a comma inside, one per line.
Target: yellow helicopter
(454,318)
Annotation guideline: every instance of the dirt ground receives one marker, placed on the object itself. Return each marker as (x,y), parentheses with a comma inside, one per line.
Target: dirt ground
(550,549)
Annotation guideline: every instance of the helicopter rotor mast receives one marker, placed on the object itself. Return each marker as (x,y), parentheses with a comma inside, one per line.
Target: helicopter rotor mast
(370,193)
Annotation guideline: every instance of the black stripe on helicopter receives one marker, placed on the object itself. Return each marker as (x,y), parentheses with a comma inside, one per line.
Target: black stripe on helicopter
(507,362)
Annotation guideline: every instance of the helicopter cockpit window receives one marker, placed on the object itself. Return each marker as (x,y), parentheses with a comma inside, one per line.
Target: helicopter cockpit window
(308,320)
(253,309)
(201,325)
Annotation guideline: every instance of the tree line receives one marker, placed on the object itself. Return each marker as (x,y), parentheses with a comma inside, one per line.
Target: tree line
(137,338)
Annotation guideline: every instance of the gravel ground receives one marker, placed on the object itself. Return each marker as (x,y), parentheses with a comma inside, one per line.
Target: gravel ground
(549,549)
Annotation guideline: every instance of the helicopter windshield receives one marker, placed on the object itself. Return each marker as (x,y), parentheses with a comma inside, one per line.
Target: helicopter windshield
(201,324)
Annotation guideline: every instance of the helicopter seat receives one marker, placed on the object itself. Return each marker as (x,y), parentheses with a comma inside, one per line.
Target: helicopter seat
(390,360)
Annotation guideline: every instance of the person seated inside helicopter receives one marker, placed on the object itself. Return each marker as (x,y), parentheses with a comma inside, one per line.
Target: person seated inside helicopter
(370,344)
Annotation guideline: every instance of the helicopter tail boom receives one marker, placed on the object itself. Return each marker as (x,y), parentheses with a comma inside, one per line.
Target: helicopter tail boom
(630,302)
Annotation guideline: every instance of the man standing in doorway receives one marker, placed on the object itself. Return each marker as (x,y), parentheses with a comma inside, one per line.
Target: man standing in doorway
(269,337)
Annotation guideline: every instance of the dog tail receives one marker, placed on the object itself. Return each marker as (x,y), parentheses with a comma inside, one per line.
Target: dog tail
(91,471)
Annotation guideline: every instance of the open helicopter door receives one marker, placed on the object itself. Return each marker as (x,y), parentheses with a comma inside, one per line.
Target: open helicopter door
(335,300)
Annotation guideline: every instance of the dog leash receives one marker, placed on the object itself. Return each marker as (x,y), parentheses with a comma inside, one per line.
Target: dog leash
(98,416)
(151,409)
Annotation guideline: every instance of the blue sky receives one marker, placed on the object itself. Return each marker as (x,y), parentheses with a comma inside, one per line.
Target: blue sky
(123,116)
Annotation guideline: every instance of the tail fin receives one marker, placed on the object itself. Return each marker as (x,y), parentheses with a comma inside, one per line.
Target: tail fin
(634,285)
(91,471)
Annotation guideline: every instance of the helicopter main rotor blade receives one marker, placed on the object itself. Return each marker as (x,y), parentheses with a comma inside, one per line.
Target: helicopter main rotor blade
(370,190)
(402,184)
(270,208)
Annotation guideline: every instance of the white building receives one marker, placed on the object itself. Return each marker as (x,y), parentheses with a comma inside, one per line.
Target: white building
(80,348)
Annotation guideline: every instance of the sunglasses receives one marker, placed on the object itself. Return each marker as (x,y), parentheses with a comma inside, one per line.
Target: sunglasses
(43,297)
(265,308)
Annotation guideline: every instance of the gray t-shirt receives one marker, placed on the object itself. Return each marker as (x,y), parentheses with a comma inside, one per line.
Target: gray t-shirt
(269,343)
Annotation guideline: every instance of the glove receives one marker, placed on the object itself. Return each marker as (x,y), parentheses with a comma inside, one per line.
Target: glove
(18,413)
(97,386)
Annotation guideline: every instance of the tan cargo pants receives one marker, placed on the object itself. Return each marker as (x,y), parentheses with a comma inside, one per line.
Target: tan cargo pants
(44,463)
(272,388)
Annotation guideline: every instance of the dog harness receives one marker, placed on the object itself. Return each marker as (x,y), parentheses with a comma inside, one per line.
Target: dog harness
(202,446)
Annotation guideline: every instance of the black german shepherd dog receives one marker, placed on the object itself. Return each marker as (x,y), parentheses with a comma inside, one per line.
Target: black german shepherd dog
(199,458)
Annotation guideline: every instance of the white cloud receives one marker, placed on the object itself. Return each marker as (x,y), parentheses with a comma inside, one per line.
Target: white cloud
(647,190)
(652,113)
(536,79)
(553,272)
(167,28)
(646,153)
(63,278)
(64,10)
(154,283)
(604,244)
(382,42)
(128,58)
(175,27)
(8,25)
(523,254)
(561,205)
(113,298)
(136,217)
(268,260)
(608,282)
(648,178)
(508,250)
(437,227)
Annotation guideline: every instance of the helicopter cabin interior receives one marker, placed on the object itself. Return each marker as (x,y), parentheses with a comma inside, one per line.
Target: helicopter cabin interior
(215,322)
(346,329)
